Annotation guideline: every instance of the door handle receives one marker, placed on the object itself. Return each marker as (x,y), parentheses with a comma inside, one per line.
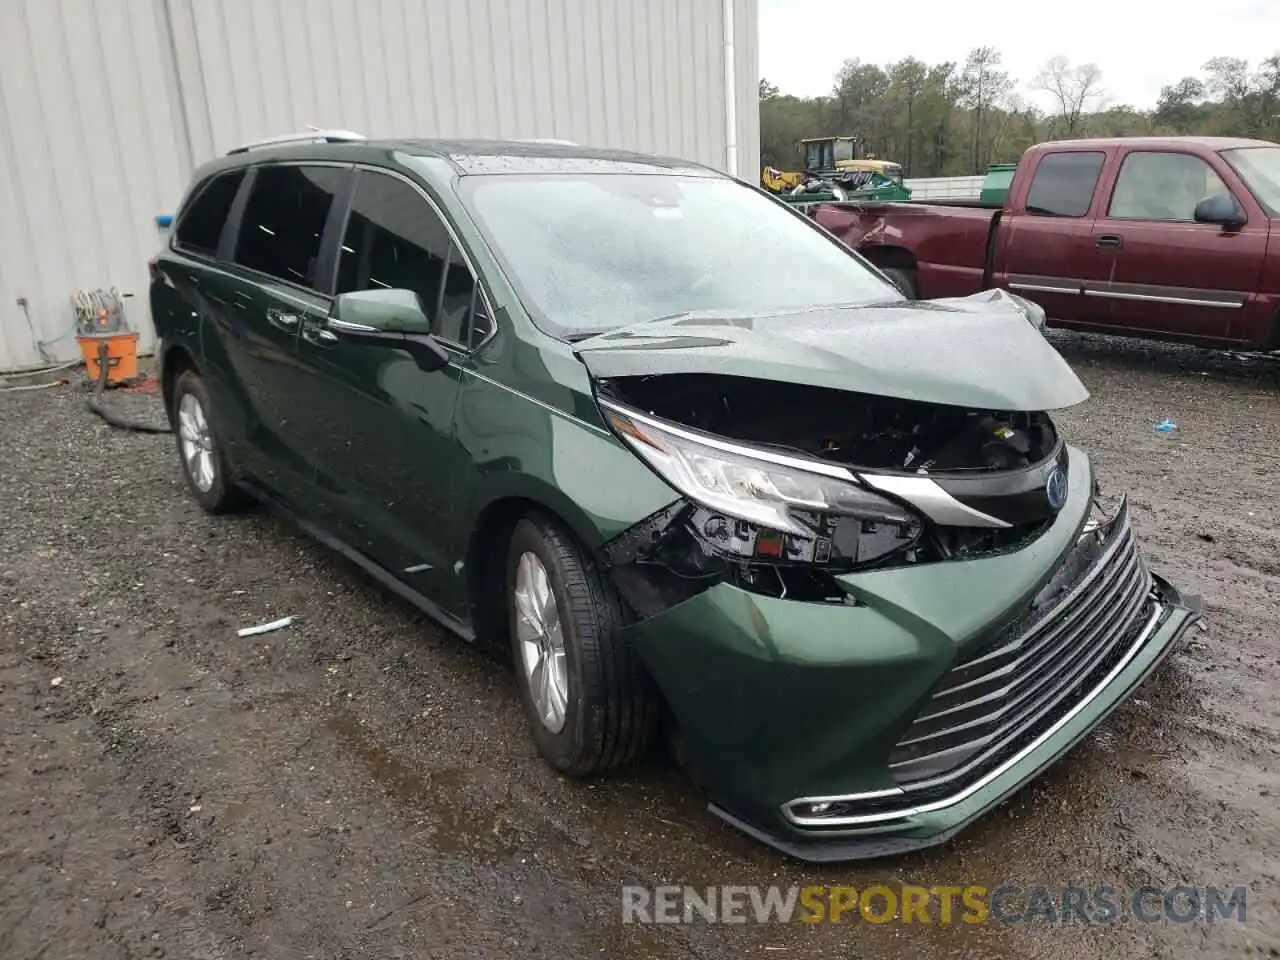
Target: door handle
(285,321)
(318,335)
(1109,241)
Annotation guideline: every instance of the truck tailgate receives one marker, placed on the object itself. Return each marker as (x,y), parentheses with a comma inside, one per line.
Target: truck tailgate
(949,244)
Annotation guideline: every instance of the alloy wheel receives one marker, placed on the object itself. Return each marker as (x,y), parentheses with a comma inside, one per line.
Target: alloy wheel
(197,442)
(542,651)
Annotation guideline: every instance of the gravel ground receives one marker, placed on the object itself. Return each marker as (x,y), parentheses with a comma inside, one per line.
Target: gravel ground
(361,784)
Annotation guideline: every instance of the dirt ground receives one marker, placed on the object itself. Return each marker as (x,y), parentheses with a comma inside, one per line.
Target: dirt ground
(361,784)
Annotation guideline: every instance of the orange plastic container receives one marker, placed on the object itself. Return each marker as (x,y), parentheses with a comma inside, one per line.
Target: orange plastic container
(122,355)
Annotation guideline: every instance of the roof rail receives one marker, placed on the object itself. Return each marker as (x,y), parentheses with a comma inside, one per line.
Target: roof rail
(563,143)
(312,135)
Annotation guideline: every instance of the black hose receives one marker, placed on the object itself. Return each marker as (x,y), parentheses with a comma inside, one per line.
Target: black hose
(115,419)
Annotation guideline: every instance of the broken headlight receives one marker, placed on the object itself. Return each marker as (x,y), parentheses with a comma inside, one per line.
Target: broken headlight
(775,491)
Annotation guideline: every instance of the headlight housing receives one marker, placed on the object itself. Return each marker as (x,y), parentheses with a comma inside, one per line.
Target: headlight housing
(781,493)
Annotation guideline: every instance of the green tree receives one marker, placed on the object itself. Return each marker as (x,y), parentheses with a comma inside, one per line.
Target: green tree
(907,79)
(983,86)
(1179,104)
(946,119)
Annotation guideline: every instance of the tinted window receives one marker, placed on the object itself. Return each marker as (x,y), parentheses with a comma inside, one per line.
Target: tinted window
(284,220)
(394,240)
(1063,184)
(202,222)
(1162,186)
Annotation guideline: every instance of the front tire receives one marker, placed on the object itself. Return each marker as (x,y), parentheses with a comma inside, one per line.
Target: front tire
(204,463)
(590,705)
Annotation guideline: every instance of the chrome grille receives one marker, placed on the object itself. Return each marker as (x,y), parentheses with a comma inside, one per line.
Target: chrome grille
(997,696)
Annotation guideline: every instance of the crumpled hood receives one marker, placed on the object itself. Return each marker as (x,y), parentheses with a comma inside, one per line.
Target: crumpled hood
(979,351)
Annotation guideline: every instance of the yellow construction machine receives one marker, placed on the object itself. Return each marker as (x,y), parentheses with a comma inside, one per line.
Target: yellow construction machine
(826,156)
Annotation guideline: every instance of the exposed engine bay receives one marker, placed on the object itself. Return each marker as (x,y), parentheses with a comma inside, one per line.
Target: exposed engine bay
(992,464)
(857,429)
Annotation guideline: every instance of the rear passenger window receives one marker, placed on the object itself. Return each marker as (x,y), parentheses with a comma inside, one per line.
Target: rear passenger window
(395,240)
(201,225)
(1064,183)
(284,220)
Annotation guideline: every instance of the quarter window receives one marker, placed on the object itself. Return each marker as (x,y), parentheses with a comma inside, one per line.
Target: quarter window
(394,240)
(1163,186)
(456,299)
(1063,184)
(201,225)
(284,220)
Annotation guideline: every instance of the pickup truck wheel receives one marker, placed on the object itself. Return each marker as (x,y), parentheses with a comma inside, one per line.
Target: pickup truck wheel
(204,463)
(904,280)
(589,703)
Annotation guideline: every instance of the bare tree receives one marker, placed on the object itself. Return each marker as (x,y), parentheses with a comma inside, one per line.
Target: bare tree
(1076,90)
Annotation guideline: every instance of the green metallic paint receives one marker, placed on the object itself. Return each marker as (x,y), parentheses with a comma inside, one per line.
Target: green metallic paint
(1172,624)
(932,827)
(780,698)
(530,427)
(959,352)
(396,311)
(841,680)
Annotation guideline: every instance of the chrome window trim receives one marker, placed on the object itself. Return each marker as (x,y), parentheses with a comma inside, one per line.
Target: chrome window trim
(462,348)
(1155,298)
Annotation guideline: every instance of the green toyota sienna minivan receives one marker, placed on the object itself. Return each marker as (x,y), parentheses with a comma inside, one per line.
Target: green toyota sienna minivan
(700,467)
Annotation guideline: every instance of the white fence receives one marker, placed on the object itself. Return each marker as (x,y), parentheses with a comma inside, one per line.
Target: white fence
(944,188)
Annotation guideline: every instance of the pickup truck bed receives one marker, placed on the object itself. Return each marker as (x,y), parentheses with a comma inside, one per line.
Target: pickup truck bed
(949,244)
(1168,238)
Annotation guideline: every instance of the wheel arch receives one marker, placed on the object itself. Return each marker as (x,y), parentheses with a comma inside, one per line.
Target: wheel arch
(174,361)
(486,548)
(497,509)
(883,256)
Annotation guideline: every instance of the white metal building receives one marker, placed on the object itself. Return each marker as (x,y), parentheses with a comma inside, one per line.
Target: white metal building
(106,106)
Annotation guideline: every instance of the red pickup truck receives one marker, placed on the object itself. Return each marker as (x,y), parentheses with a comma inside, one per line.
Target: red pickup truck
(1169,238)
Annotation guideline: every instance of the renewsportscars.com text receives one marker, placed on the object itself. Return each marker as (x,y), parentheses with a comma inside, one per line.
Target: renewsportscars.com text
(906,903)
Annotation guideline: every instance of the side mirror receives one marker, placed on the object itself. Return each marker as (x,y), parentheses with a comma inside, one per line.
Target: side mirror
(387,318)
(1220,209)
(388,311)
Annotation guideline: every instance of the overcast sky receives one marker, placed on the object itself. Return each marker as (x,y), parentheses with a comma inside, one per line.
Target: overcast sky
(1140,45)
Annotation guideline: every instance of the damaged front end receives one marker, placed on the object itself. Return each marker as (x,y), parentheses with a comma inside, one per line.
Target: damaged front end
(863,657)
(789,486)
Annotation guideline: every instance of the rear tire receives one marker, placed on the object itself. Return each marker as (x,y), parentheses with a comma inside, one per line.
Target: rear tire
(204,462)
(903,279)
(606,702)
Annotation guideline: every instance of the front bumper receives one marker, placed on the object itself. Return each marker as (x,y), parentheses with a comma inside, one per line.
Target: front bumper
(842,731)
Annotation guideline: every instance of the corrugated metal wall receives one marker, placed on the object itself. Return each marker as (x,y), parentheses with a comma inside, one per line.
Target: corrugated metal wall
(88,156)
(107,105)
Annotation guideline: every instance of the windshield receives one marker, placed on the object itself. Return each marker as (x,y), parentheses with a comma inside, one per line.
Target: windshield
(590,253)
(1259,168)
